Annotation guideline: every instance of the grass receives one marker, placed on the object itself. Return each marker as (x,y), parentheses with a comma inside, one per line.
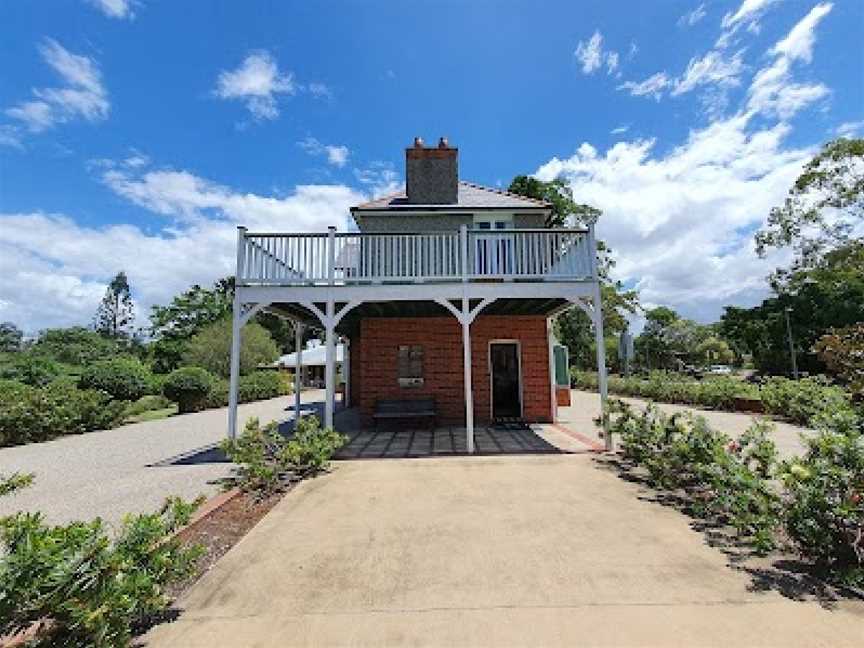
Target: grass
(152,415)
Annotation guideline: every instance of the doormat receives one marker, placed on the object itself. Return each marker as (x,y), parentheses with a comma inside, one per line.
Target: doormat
(510,424)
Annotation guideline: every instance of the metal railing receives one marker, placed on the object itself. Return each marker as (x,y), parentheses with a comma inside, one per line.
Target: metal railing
(369,258)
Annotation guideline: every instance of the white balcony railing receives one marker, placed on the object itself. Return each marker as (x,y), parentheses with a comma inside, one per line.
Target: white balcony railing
(466,255)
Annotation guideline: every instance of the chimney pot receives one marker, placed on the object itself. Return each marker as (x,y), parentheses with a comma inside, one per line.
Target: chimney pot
(418,142)
(442,143)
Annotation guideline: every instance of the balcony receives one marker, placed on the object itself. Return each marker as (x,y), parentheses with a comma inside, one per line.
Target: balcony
(346,259)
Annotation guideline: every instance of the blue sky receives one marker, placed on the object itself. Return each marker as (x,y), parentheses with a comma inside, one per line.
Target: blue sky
(137,135)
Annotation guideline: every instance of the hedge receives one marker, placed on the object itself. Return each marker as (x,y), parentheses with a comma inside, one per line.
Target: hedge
(31,414)
(802,401)
(198,389)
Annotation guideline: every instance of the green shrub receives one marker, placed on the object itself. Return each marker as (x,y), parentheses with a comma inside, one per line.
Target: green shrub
(14,482)
(260,385)
(123,378)
(29,414)
(825,499)
(189,387)
(267,461)
(803,401)
(31,369)
(82,586)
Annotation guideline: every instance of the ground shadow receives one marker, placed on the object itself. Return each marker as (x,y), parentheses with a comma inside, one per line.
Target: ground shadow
(779,572)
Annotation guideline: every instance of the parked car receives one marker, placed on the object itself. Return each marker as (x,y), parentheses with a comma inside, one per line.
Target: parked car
(720,370)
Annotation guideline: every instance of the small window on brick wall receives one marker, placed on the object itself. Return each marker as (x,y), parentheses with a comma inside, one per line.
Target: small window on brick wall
(410,365)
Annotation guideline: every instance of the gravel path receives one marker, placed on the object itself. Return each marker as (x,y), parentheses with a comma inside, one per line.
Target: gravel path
(130,468)
(585,406)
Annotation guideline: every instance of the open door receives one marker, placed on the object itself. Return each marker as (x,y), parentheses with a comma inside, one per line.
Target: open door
(506,381)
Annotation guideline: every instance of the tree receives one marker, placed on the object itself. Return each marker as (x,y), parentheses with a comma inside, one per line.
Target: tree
(115,316)
(174,325)
(822,209)
(842,350)
(210,348)
(74,346)
(828,295)
(10,337)
(559,195)
(715,350)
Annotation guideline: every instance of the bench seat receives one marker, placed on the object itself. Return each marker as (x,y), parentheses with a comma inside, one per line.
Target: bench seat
(403,409)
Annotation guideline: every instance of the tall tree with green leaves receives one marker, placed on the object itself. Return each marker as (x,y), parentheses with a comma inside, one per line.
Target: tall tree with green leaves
(558,193)
(115,317)
(823,211)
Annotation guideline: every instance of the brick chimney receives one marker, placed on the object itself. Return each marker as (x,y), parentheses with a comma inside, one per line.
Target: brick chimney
(432,174)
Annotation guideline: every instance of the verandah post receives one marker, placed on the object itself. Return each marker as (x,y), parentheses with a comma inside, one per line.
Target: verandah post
(599,339)
(298,367)
(466,359)
(236,327)
(330,374)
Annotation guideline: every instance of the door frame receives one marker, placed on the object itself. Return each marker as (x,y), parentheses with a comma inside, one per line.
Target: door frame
(518,345)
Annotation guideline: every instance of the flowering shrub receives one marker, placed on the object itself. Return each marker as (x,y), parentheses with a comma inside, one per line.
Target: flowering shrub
(817,499)
(724,479)
(267,461)
(803,401)
(825,499)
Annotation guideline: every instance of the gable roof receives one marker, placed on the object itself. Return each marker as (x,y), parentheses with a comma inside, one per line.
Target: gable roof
(470,196)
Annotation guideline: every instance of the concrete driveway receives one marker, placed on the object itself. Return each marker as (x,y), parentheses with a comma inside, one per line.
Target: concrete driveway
(551,550)
(131,468)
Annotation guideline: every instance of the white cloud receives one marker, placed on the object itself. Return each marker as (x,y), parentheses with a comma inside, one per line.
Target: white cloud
(10,136)
(82,96)
(798,44)
(773,92)
(56,270)
(591,55)
(692,17)
(850,129)
(380,178)
(258,82)
(653,86)
(115,8)
(336,155)
(319,90)
(681,223)
(711,69)
(748,15)
(620,130)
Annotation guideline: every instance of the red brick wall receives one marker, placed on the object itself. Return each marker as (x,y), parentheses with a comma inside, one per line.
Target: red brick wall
(374,363)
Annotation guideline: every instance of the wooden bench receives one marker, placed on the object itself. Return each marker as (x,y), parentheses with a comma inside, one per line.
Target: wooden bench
(405,409)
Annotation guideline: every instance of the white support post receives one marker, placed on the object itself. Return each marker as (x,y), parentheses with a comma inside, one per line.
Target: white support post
(553,383)
(236,328)
(466,361)
(298,367)
(599,340)
(329,373)
(346,372)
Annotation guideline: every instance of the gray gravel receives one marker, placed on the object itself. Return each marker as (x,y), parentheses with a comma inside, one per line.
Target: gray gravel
(129,469)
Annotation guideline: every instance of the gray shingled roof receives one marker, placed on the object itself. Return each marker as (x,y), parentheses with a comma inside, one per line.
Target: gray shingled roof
(470,196)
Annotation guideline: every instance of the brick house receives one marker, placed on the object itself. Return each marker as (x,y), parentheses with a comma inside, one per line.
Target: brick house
(446,291)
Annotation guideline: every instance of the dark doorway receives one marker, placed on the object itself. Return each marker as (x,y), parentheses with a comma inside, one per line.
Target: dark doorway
(506,395)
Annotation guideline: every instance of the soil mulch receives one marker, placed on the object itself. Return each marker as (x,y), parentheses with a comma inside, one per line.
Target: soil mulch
(221,529)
